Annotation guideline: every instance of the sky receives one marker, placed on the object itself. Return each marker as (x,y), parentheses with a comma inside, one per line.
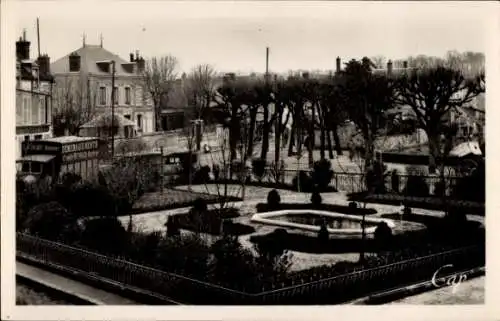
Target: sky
(233,35)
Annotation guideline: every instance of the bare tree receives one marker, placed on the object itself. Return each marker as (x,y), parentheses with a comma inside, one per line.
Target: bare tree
(158,78)
(200,88)
(379,61)
(434,92)
(74,101)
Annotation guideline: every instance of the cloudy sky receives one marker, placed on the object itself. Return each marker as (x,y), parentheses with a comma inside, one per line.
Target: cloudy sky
(233,35)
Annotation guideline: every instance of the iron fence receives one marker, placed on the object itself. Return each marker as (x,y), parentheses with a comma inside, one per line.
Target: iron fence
(331,290)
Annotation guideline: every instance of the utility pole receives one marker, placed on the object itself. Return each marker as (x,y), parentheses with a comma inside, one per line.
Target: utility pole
(38,34)
(113,71)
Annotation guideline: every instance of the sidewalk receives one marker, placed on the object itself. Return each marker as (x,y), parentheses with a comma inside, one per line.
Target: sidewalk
(71,287)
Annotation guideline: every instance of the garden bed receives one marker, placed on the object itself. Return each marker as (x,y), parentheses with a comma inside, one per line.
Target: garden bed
(213,222)
(430,203)
(173,198)
(342,209)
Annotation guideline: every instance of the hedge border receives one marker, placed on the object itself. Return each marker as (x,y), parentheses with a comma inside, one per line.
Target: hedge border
(342,209)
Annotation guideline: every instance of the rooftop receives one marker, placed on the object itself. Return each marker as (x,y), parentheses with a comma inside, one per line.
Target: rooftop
(90,56)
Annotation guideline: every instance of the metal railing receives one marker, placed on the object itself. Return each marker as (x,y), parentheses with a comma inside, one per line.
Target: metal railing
(328,290)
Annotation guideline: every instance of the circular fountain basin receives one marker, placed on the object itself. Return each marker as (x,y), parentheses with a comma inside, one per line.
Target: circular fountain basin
(307,220)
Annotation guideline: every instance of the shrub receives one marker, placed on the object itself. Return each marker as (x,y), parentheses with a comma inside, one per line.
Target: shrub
(322,174)
(472,187)
(143,247)
(202,175)
(383,234)
(304,180)
(188,255)
(200,205)
(172,226)
(323,235)
(106,235)
(395,181)
(375,178)
(416,184)
(273,199)
(88,199)
(233,264)
(316,199)
(259,168)
(52,221)
(353,205)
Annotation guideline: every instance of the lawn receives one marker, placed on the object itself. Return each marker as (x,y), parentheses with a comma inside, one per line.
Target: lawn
(170,199)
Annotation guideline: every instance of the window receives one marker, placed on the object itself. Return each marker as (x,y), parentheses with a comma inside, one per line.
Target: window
(34,110)
(26,111)
(127,96)
(102,95)
(139,121)
(127,117)
(117,95)
(38,137)
(19,109)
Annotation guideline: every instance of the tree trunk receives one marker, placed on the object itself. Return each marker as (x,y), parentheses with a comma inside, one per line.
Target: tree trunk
(330,146)
(291,140)
(277,137)
(311,138)
(322,142)
(265,133)
(369,151)
(434,151)
(253,116)
(158,118)
(336,138)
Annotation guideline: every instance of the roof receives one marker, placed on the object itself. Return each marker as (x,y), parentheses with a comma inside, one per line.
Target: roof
(90,56)
(69,139)
(105,119)
(38,158)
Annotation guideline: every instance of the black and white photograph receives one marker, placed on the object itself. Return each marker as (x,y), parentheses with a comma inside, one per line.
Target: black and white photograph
(246,154)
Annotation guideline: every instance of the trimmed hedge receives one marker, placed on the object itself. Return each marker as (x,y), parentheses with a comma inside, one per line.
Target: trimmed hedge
(214,222)
(172,198)
(342,209)
(430,203)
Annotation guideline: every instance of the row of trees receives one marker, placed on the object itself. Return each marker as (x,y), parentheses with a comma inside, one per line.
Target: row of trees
(294,108)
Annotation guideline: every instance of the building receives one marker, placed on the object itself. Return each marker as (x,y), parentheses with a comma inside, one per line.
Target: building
(87,75)
(33,96)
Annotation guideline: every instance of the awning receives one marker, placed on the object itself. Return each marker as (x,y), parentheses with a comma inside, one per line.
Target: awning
(37,158)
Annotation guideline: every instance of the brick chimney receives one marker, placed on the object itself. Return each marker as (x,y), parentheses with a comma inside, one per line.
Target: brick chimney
(405,64)
(44,65)
(141,64)
(389,67)
(23,48)
(74,62)
(132,57)
(338,61)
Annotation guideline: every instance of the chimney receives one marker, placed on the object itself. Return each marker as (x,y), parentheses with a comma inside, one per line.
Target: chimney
(405,64)
(132,57)
(23,48)
(141,64)
(389,67)
(74,62)
(137,55)
(44,65)
(305,75)
(338,64)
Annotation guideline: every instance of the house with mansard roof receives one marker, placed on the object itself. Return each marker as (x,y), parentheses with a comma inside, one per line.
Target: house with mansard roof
(86,74)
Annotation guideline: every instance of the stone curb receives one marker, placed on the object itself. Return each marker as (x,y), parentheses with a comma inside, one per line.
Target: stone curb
(410,290)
